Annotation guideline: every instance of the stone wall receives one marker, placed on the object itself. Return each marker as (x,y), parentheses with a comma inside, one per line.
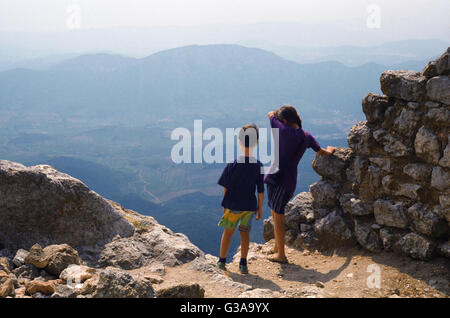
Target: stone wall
(390,190)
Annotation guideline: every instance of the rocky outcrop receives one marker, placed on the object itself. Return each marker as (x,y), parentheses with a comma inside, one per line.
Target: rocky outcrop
(63,240)
(390,189)
(47,207)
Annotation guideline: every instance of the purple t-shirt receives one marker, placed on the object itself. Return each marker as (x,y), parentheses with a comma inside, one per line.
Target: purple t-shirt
(292,145)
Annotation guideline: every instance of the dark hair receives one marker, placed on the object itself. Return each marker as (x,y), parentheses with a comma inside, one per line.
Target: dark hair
(247,135)
(289,113)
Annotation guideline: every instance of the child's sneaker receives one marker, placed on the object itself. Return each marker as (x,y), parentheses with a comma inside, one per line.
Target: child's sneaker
(243,269)
(221,265)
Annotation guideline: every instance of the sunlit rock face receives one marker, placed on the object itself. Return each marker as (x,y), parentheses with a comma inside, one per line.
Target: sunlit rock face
(390,189)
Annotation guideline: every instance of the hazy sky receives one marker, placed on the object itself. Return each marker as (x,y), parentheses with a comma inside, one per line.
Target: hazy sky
(52,15)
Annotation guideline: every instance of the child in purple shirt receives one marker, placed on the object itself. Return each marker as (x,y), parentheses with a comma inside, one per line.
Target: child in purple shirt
(292,144)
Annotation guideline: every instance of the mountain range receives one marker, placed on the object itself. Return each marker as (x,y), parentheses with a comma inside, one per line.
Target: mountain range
(100,115)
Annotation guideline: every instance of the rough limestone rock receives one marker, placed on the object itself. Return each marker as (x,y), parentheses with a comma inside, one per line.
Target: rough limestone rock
(159,245)
(6,285)
(406,85)
(39,286)
(407,122)
(440,178)
(64,291)
(438,89)
(425,221)
(181,291)
(418,171)
(299,211)
(334,166)
(37,257)
(427,146)
(60,257)
(440,116)
(440,66)
(47,207)
(367,236)
(445,160)
(332,231)
(19,258)
(374,107)
(390,190)
(360,139)
(76,274)
(116,283)
(323,193)
(27,271)
(390,213)
(416,246)
(5,265)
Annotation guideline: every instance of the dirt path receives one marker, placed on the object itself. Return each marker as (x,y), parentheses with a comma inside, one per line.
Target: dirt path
(155,198)
(349,273)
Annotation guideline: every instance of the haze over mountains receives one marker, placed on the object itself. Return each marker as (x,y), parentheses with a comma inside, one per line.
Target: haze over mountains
(106,119)
(189,78)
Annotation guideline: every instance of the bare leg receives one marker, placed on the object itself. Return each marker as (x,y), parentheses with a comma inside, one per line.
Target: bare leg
(278,223)
(225,243)
(275,248)
(245,242)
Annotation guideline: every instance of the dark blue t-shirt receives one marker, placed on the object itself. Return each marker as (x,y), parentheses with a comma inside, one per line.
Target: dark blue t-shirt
(242,178)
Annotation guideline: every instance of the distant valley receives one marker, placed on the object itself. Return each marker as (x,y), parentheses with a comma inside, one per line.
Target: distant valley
(106,119)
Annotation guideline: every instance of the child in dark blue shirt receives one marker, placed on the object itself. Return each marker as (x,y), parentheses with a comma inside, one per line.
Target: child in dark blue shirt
(241,179)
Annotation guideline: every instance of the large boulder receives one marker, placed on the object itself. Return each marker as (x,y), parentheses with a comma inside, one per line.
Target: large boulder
(47,207)
(39,286)
(367,237)
(440,66)
(27,271)
(334,166)
(60,257)
(159,245)
(299,210)
(416,246)
(438,89)
(360,139)
(356,206)
(425,221)
(181,291)
(77,274)
(323,193)
(374,107)
(406,85)
(407,122)
(439,116)
(427,146)
(19,258)
(116,283)
(390,213)
(418,171)
(440,178)
(392,145)
(37,257)
(332,231)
